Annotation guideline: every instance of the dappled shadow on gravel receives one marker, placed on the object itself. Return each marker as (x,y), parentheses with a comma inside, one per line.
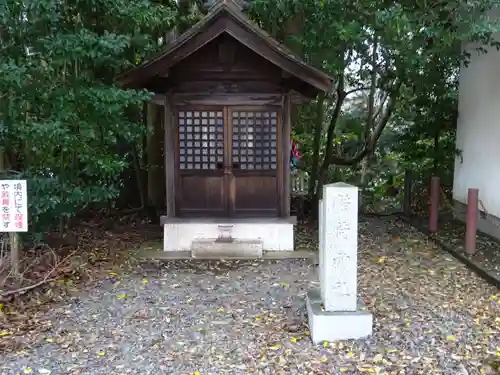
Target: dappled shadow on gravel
(431,315)
(451,233)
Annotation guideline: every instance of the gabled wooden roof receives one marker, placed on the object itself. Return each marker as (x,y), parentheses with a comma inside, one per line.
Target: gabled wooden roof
(227,17)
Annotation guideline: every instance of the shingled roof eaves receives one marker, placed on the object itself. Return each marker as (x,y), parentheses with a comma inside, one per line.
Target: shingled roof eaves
(320,79)
(273,43)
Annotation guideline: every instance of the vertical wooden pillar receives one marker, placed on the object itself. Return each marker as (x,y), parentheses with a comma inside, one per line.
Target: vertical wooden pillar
(156,192)
(285,139)
(169,152)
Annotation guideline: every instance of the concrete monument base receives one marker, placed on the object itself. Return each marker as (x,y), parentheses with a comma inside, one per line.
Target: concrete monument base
(336,325)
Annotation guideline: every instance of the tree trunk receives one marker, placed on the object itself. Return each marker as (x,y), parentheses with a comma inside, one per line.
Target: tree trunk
(435,165)
(14,238)
(139,177)
(2,160)
(318,131)
(363,182)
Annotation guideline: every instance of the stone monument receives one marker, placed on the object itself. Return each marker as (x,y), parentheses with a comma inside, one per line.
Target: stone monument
(334,311)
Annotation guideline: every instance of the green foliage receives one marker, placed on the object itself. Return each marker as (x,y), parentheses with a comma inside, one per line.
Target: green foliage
(396,70)
(61,118)
(66,128)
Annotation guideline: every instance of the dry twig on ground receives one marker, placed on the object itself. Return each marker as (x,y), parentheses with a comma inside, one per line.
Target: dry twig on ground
(50,275)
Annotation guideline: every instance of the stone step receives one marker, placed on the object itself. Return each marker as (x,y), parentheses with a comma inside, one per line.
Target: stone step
(226,249)
(148,253)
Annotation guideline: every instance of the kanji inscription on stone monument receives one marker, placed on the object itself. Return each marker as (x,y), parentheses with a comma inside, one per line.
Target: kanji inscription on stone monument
(338,269)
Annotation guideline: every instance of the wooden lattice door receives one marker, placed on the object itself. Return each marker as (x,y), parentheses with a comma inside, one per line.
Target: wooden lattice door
(228,162)
(254,156)
(201,186)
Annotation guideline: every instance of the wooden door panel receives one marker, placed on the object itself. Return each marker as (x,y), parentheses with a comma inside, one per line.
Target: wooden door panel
(203,195)
(200,161)
(254,156)
(255,195)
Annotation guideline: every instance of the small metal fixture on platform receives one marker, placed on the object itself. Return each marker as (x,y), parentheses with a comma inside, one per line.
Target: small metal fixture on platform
(225,233)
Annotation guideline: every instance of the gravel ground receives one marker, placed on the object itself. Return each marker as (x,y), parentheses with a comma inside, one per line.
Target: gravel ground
(452,233)
(431,316)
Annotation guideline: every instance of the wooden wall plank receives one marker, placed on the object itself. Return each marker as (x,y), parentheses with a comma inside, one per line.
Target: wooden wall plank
(170,147)
(286,137)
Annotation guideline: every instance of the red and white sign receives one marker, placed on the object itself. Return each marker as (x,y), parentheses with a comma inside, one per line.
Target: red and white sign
(13,206)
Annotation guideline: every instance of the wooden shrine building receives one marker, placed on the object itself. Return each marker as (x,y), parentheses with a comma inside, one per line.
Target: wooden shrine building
(227,88)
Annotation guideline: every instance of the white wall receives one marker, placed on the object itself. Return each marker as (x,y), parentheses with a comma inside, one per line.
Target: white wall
(478,131)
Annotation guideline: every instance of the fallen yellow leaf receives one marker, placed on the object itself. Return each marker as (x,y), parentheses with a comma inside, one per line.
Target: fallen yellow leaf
(284,284)
(113,273)
(343,369)
(293,339)
(101,353)
(275,347)
(350,354)
(325,344)
(196,373)
(145,281)
(28,370)
(494,297)
(49,339)
(381,259)
(451,337)
(4,333)
(122,296)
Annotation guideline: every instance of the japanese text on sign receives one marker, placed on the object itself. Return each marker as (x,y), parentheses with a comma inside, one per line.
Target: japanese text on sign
(13,206)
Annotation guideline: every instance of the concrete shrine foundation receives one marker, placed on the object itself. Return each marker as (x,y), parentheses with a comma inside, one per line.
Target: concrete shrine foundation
(243,237)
